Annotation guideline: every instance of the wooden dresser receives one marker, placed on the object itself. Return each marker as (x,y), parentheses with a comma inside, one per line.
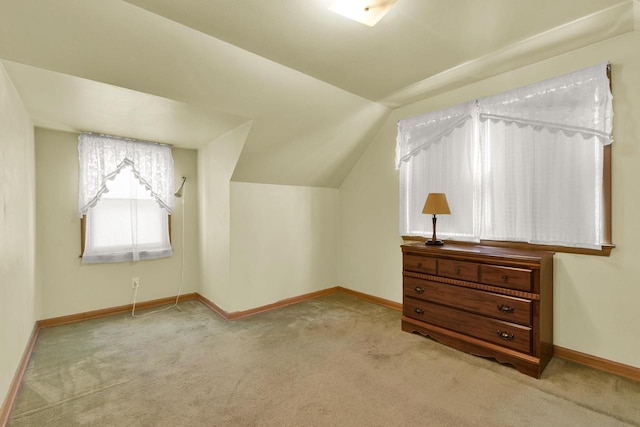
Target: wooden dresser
(487,301)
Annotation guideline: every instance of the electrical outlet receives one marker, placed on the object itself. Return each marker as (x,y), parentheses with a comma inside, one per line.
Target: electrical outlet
(135,282)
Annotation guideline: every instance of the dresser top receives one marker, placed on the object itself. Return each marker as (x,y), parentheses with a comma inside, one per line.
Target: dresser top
(471,250)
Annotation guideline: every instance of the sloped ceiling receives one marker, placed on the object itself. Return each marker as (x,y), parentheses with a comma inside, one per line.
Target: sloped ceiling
(315,85)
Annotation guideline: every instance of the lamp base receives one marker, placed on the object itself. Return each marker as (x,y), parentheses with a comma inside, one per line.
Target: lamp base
(434,243)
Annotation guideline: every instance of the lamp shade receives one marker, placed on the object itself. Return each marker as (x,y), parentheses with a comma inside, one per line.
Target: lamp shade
(436,204)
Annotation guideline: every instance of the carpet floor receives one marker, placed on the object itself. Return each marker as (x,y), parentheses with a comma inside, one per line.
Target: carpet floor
(331,361)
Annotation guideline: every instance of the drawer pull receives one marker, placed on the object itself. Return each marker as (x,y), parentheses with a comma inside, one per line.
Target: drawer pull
(419,265)
(418,290)
(504,278)
(505,335)
(419,310)
(457,270)
(505,308)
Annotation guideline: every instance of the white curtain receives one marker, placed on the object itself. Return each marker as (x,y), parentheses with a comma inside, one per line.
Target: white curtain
(417,133)
(102,157)
(446,165)
(126,193)
(575,103)
(536,169)
(541,187)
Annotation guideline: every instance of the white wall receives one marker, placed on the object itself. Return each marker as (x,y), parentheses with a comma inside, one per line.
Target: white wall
(65,284)
(283,242)
(596,298)
(17,231)
(261,243)
(216,163)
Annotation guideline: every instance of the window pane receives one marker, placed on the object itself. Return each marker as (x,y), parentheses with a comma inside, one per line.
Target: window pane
(446,167)
(126,224)
(540,186)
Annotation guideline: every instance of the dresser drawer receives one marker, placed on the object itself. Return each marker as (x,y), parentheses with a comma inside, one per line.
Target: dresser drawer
(420,264)
(506,277)
(460,270)
(512,309)
(492,330)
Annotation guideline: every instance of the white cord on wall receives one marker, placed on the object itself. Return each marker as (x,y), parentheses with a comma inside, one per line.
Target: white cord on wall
(135,291)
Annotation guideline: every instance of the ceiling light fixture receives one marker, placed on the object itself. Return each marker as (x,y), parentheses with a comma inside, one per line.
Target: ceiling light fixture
(367,12)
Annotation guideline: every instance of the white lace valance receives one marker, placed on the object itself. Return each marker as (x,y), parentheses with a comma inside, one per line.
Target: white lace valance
(102,157)
(575,103)
(578,102)
(417,133)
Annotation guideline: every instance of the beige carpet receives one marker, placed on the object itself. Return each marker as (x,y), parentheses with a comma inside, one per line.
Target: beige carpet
(332,361)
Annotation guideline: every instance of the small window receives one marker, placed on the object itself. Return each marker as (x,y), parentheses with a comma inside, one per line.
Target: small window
(125,198)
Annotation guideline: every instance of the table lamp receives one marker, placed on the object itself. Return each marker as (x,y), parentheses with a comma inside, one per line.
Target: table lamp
(436,203)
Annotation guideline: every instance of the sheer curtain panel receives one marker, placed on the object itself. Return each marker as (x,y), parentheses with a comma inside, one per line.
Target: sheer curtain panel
(542,153)
(436,154)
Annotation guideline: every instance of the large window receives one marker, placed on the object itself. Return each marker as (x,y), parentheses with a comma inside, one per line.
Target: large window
(126,194)
(529,165)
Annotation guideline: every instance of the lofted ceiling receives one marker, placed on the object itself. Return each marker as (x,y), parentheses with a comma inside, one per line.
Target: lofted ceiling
(315,86)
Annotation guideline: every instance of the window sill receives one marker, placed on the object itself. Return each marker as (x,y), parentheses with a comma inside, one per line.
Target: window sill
(605,251)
